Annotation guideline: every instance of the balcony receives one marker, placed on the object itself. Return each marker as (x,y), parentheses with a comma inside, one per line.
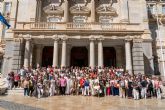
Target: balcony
(46,26)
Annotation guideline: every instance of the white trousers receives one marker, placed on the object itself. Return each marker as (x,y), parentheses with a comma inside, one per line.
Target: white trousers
(144,92)
(135,94)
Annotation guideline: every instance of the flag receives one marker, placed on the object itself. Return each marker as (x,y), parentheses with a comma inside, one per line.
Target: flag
(4,21)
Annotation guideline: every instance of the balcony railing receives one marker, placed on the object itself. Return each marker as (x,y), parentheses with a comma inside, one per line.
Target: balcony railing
(75,26)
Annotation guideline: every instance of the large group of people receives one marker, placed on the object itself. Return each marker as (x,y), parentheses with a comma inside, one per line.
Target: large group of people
(98,81)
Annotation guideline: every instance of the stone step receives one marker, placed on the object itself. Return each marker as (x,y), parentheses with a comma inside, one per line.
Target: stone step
(18,91)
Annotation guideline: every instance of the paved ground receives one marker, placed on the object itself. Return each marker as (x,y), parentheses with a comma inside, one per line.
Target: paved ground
(19,102)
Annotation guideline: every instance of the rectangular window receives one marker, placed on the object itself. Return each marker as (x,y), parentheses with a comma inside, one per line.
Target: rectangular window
(105,19)
(79,19)
(163,9)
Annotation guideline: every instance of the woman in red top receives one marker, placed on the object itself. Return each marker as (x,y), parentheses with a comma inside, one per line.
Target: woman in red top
(16,80)
(82,80)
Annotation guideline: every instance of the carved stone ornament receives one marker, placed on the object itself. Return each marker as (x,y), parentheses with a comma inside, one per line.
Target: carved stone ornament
(79,9)
(53,8)
(105,9)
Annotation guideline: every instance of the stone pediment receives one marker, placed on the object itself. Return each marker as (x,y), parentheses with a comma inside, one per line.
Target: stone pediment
(79,9)
(53,9)
(106,10)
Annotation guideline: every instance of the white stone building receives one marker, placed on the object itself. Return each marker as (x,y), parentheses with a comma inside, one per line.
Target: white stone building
(83,33)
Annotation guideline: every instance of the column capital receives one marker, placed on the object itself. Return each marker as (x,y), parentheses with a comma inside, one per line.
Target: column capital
(64,38)
(27,37)
(92,38)
(128,40)
(55,37)
(100,38)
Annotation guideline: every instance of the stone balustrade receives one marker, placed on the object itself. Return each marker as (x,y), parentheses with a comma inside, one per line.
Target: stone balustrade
(77,26)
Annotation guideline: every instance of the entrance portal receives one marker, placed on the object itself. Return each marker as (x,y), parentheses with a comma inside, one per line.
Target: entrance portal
(109,56)
(79,56)
(47,56)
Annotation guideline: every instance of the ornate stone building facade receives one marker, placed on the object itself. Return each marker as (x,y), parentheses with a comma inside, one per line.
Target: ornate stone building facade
(82,33)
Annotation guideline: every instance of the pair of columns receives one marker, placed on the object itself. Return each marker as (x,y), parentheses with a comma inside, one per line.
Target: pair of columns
(100,54)
(55,53)
(92,53)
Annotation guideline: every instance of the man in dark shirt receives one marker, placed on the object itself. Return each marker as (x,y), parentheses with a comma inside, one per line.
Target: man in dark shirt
(144,85)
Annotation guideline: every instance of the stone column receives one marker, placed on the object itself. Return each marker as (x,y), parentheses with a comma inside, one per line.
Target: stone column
(93,15)
(124,10)
(66,13)
(100,53)
(13,13)
(31,55)
(55,53)
(128,56)
(63,58)
(92,53)
(39,55)
(27,53)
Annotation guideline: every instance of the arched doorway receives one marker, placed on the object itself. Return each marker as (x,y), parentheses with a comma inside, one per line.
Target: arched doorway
(109,57)
(47,56)
(79,56)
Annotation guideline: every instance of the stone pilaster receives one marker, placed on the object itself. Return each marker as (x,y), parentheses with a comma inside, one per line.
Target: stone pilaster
(33,9)
(39,50)
(137,55)
(93,12)
(92,53)
(55,52)
(12,59)
(13,14)
(38,10)
(100,52)
(124,10)
(119,57)
(128,56)
(148,57)
(66,12)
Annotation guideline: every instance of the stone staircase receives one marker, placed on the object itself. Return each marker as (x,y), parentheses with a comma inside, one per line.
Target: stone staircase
(16,91)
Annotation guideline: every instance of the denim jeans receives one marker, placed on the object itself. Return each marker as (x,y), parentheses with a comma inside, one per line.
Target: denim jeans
(25,91)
